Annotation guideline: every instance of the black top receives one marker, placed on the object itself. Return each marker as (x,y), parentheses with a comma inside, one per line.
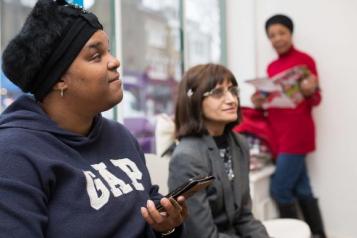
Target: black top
(225,153)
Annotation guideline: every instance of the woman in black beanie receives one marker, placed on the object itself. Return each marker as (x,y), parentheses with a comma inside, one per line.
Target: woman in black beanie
(293,128)
(65,171)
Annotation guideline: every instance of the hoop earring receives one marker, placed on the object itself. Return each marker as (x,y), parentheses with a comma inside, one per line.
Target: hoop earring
(62,93)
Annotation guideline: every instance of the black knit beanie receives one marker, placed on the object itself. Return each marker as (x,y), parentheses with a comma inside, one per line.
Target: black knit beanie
(280,19)
(51,38)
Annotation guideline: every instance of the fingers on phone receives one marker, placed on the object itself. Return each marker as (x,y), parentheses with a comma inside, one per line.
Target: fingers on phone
(174,209)
(153,213)
(176,203)
(171,207)
(181,200)
(167,204)
(184,211)
(146,215)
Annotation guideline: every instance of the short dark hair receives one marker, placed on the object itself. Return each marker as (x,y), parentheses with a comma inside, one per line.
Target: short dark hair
(196,81)
(280,19)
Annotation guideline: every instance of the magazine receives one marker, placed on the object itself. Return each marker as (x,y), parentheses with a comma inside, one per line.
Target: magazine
(282,90)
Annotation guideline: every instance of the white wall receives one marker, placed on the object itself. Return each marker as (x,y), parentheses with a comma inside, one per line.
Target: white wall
(241,41)
(327,30)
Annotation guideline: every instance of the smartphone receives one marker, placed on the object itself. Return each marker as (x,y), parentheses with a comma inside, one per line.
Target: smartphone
(187,189)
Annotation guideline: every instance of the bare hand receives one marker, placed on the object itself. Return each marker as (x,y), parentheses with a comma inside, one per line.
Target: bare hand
(258,99)
(175,213)
(309,85)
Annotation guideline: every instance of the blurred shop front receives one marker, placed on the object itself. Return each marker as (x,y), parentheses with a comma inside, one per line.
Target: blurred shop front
(168,37)
(156,41)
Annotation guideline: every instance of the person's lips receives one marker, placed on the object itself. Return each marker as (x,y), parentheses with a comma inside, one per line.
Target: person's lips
(115,78)
(231,110)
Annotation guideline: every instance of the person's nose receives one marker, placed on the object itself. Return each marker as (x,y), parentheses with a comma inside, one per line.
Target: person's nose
(278,37)
(229,97)
(113,63)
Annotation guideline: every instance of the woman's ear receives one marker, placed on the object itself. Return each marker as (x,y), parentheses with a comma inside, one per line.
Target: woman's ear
(60,85)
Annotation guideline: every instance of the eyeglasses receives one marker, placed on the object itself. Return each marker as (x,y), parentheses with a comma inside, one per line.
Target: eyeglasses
(221,92)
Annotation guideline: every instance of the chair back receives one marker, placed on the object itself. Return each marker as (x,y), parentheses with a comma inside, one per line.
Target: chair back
(159,171)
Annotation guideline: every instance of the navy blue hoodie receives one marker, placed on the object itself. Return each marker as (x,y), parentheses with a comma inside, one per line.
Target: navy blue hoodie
(54,183)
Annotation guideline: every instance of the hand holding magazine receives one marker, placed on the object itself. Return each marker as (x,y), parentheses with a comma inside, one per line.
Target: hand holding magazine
(283,90)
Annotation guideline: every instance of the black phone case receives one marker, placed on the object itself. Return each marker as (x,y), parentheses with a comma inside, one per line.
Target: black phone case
(188,189)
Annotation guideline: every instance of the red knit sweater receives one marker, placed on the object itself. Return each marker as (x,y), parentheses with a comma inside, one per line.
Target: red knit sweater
(294,129)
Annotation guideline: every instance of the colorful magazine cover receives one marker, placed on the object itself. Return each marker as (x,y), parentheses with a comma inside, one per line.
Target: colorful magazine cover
(282,90)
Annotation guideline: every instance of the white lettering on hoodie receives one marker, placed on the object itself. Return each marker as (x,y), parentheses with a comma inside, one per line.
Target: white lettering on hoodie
(99,193)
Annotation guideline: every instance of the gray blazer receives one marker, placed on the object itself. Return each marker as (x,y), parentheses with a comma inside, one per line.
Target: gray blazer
(222,210)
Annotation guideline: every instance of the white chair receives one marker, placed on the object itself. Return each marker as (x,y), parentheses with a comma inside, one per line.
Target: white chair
(287,228)
(164,133)
(159,171)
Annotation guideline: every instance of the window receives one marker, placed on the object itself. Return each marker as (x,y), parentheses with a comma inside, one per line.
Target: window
(12,17)
(151,63)
(203,32)
(153,56)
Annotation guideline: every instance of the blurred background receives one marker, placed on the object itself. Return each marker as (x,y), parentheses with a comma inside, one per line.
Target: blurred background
(157,40)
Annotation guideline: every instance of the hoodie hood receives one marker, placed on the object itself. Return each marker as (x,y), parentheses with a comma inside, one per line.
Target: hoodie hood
(26,113)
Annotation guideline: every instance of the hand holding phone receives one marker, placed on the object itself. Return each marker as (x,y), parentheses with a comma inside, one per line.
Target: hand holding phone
(187,189)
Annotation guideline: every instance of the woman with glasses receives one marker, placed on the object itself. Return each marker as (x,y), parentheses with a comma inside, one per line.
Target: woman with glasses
(207,109)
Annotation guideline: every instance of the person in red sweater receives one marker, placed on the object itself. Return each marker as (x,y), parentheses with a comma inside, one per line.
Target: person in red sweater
(293,129)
